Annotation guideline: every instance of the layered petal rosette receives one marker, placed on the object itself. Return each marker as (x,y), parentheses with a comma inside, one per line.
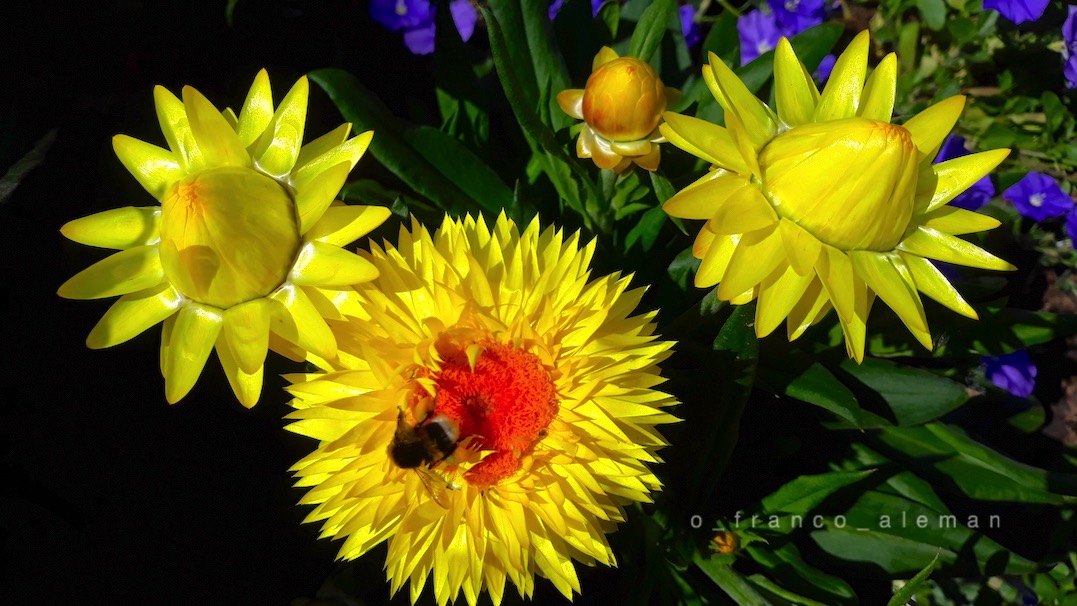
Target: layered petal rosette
(244,250)
(542,384)
(824,202)
(621,106)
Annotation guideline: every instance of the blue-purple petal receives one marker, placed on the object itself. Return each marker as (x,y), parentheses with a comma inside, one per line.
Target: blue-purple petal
(1018,11)
(1013,372)
(1038,197)
(759,33)
(689,27)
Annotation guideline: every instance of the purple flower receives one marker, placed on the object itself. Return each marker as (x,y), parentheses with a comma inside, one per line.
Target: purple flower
(1013,372)
(981,191)
(1069,52)
(1071,226)
(1038,197)
(822,73)
(555,7)
(795,16)
(1018,11)
(416,18)
(759,33)
(688,25)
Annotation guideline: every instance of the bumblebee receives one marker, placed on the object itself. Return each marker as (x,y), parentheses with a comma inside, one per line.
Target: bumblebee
(429,442)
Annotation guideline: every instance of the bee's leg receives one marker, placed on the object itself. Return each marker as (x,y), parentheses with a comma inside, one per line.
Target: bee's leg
(494,468)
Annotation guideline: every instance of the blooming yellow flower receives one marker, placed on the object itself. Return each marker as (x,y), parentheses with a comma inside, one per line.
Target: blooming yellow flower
(246,240)
(544,375)
(825,202)
(621,107)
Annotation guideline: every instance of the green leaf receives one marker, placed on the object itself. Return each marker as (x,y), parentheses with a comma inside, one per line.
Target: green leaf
(1025,475)
(768,586)
(529,39)
(646,230)
(805,493)
(1004,330)
(452,159)
(461,99)
(564,173)
(909,589)
(785,563)
(390,145)
(895,555)
(913,396)
(650,29)
(817,385)
(730,581)
(933,13)
(682,268)
(985,475)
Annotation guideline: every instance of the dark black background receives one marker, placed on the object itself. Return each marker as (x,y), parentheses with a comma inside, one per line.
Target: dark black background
(109,494)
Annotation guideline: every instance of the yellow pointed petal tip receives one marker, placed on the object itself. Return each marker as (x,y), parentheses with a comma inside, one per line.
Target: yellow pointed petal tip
(586,408)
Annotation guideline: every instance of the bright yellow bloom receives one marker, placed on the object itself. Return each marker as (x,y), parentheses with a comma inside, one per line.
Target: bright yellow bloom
(621,107)
(246,241)
(548,378)
(825,202)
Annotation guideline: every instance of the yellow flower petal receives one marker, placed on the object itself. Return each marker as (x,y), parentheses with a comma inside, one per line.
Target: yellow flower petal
(155,169)
(125,272)
(246,333)
(704,140)
(571,102)
(887,275)
(343,224)
(801,248)
(930,281)
(350,151)
(930,127)
(700,202)
(177,131)
(132,314)
(317,194)
(119,228)
(759,253)
(934,244)
(808,310)
(848,294)
(778,295)
(714,263)
(276,151)
(760,123)
(328,266)
(604,56)
(300,322)
(745,210)
(956,221)
(219,144)
(841,95)
(246,385)
(956,175)
(795,92)
(193,335)
(880,91)
(323,145)
(257,110)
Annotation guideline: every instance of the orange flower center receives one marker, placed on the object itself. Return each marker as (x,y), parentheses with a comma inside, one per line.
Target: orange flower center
(504,401)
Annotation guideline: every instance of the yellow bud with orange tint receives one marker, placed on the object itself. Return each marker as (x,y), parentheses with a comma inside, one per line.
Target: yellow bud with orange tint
(624,99)
(621,107)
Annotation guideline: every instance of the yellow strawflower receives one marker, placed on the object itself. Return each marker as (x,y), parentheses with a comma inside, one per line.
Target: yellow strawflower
(246,242)
(621,107)
(824,202)
(522,391)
